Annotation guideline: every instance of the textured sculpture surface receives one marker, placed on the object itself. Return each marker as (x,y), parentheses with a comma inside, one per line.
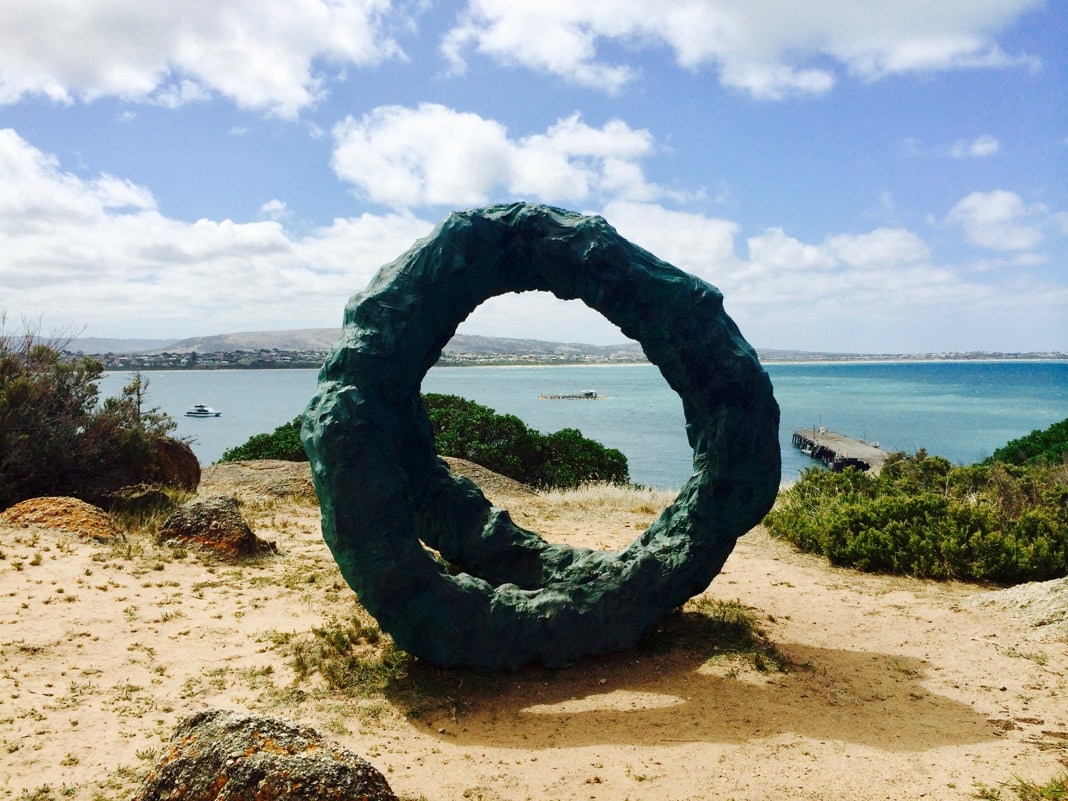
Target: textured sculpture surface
(385,495)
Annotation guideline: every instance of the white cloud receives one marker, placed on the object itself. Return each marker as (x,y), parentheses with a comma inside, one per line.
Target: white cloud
(434,155)
(881,247)
(999,220)
(273,209)
(698,244)
(181,93)
(98,252)
(767,48)
(262,54)
(985,145)
(553,37)
(773,252)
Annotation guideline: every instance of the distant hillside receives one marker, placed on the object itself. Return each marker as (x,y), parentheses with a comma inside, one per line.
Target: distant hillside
(304,339)
(478,349)
(102,345)
(462,343)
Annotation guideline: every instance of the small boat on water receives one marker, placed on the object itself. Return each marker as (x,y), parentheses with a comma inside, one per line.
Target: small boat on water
(586,394)
(201,410)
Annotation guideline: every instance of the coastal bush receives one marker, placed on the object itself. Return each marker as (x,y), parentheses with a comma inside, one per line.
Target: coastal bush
(283,443)
(56,438)
(1045,447)
(503,443)
(468,430)
(924,517)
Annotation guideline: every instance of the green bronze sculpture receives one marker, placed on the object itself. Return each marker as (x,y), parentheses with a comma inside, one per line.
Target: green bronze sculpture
(386,496)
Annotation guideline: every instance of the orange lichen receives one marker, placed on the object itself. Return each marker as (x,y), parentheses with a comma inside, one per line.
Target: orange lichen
(64,514)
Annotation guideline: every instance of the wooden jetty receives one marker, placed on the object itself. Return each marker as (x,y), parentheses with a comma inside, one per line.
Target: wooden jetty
(838,451)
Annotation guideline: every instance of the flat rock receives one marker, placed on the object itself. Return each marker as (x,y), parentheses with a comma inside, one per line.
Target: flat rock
(1041,605)
(272,478)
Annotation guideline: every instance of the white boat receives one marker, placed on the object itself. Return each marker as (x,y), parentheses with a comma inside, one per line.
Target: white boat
(201,410)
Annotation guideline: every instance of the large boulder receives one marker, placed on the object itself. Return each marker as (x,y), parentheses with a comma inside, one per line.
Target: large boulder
(175,465)
(233,756)
(169,464)
(214,523)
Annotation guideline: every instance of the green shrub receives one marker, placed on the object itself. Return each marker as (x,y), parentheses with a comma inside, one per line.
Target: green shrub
(924,517)
(55,436)
(283,443)
(503,443)
(468,430)
(1045,447)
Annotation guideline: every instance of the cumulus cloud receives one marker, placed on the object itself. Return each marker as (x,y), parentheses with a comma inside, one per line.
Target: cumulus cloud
(883,246)
(985,145)
(549,36)
(434,155)
(694,242)
(99,251)
(768,49)
(999,220)
(773,252)
(262,54)
(273,209)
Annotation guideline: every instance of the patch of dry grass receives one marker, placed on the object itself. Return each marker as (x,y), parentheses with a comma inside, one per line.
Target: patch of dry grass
(615,497)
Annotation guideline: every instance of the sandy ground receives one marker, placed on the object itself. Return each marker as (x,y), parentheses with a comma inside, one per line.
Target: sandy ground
(896,688)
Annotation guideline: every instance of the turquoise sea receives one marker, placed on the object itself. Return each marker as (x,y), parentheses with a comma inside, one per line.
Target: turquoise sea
(959,410)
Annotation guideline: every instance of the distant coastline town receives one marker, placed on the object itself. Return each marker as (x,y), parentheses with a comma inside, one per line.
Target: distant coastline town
(307,349)
(286,359)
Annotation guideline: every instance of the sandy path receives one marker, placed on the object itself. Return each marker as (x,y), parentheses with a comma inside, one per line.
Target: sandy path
(898,688)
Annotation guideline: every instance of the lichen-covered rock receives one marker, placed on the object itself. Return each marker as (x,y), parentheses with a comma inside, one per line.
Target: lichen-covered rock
(214,523)
(232,756)
(385,495)
(69,515)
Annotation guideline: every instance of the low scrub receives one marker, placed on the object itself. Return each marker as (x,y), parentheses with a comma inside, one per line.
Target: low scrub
(922,516)
(503,443)
(1049,446)
(468,430)
(283,443)
(58,438)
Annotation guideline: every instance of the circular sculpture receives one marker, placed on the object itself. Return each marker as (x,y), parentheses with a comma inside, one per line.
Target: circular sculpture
(386,496)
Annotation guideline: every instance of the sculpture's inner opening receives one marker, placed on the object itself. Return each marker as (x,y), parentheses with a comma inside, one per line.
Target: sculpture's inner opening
(580,373)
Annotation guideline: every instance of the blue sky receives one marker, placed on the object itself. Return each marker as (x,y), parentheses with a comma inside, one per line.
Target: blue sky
(883,176)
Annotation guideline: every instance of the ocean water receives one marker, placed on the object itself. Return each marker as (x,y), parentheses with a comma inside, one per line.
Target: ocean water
(960,410)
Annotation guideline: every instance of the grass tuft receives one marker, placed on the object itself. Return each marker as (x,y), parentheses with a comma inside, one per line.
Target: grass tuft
(1055,789)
